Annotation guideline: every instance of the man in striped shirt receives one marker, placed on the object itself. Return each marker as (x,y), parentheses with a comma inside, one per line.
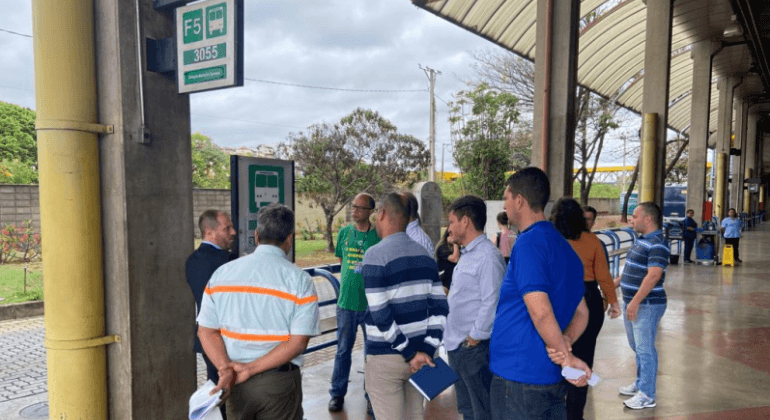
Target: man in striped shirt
(257,315)
(406,316)
(645,299)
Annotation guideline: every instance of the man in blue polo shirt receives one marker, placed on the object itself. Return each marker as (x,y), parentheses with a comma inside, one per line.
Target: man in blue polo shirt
(541,304)
(645,299)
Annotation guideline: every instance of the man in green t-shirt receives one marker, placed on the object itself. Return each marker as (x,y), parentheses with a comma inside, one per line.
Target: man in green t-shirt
(352,242)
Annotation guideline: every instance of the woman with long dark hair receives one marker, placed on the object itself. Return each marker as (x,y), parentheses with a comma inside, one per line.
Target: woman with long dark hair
(567,216)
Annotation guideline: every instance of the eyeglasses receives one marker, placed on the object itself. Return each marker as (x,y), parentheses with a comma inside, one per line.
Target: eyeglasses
(362,208)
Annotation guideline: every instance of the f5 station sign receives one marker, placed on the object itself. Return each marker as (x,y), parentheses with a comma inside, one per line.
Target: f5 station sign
(209,44)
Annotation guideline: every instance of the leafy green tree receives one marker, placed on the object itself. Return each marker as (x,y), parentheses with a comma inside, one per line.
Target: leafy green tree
(486,145)
(363,152)
(17,172)
(18,145)
(211,166)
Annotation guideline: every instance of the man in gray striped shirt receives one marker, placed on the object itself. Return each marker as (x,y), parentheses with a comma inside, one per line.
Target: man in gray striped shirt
(645,299)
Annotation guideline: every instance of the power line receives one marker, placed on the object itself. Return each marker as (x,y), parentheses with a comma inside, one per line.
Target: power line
(15,33)
(248,121)
(332,88)
(18,88)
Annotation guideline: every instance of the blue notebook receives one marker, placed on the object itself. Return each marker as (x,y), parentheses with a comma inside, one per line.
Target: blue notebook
(431,381)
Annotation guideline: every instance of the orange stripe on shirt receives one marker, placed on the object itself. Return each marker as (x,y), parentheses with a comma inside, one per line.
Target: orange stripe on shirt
(261,291)
(253,337)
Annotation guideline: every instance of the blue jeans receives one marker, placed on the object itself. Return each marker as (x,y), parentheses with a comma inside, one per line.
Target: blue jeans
(517,401)
(641,337)
(472,366)
(347,326)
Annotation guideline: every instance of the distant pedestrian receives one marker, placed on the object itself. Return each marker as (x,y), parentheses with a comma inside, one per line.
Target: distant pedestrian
(447,255)
(406,316)
(414,228)
(472,305)
(504,239)
(541,304)
(690,234)
(568,218)
(731,228)
(645,300)
(590,213)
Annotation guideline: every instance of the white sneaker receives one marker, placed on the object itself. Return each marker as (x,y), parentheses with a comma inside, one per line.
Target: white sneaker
(629,390)
(639,401)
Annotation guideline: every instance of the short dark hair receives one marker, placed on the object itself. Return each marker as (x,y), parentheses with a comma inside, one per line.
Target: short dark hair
(209,220)
(567,217)
(689,210)
(589,209)
(274,224)
(368,197)
(502,218)
(396,206)
(532,184)
(731,208)
(653,210)
(473,207)
(412,206)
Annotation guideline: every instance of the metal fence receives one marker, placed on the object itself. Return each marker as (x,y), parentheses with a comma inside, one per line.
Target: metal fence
(326,272)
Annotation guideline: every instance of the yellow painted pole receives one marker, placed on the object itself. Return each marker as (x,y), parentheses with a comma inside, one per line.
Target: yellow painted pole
(719,189)
(68,155)
(761,197)
(647,190)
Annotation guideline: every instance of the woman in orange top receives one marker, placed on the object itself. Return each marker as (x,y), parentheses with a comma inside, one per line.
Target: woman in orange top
(567,217)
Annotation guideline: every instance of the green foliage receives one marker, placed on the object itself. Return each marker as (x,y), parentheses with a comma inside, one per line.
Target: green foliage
(19,243)
(18,145)
(20,284)
(484,149)
(601,190)
(362,152)
(17,172)
(211,166)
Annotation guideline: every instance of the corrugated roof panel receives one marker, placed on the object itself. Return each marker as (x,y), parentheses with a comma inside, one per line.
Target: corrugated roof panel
(505,16)
(457,10)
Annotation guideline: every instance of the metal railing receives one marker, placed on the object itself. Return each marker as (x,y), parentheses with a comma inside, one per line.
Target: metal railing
(327,272)
(616,243)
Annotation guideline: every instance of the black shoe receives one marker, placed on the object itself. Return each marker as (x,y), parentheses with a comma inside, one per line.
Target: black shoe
(369,409)
(336,403)
(738,259)
(688,261)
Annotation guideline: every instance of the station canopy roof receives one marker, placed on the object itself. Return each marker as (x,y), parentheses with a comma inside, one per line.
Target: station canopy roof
(612,42)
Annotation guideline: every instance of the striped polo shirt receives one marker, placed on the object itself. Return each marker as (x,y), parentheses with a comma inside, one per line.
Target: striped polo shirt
(650,250)
(407,304)
(258,301)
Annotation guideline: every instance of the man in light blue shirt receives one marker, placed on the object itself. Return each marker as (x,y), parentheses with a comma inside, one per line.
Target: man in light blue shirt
(257,315)
(731,228)
(472,304)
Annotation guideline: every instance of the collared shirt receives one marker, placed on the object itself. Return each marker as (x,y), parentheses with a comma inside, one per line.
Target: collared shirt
(257,302)
(474,293)
(732,227)
(212,244)
(351,247)
(418,235)
(650,250)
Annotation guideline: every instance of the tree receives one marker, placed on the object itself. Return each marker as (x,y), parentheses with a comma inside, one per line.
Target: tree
(211,166)
(18,145)
(363,152)
(484,146)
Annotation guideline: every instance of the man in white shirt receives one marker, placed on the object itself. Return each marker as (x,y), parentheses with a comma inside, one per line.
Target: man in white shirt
(413,229)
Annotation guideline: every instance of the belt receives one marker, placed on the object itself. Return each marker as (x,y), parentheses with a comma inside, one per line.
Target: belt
(288,367)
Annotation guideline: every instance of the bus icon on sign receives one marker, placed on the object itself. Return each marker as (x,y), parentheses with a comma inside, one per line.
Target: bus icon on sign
(266,190)
(215,20)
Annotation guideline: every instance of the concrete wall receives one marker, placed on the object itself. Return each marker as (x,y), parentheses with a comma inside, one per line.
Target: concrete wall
(605,205)
(19,203)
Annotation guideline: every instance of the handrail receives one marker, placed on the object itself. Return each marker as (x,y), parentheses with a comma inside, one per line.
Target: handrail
(616,248)
(327,272)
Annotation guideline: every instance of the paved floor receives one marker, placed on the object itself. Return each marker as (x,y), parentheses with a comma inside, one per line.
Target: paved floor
(713,345)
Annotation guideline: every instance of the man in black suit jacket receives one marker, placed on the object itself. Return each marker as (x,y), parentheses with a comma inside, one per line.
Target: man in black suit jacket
(218,234)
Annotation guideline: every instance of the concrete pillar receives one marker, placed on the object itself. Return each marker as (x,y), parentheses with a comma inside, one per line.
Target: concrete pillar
(724,131)
(147,209)
(553,143)
(741,108)
(657,63)
(699,127)
(430,208)
(751,155)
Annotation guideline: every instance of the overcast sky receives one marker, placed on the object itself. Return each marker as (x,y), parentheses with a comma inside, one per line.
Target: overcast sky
(342,44)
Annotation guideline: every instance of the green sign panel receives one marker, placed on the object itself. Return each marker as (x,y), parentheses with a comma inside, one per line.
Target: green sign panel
(265,186)
(211,52)
(205,75)
(216,20)
(192,26)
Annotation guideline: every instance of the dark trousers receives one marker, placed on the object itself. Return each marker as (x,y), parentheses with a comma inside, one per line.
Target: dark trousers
(585,348)
(269,395)
(518,401)
(472,366)
(689,243)
(734,242)
(213,375)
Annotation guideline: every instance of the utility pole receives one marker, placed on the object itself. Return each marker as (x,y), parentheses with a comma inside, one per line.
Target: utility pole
(443,149)
(432,78)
